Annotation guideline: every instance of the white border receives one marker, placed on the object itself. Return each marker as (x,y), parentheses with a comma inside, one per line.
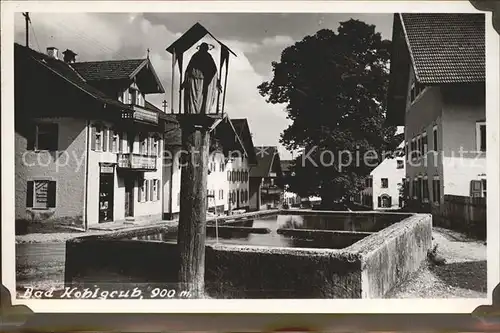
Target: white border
(247,306)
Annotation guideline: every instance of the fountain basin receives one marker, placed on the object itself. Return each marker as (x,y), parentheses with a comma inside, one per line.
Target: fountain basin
(369,266)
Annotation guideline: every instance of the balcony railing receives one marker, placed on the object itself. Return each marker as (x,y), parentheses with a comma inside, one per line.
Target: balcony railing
(138,162)
(141,114)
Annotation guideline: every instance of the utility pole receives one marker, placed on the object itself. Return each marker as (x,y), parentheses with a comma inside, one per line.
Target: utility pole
(27,20)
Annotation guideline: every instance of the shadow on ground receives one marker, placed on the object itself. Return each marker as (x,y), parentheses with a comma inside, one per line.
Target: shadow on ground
(467,275)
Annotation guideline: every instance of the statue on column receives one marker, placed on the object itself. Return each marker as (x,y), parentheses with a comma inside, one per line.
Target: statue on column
(201,83)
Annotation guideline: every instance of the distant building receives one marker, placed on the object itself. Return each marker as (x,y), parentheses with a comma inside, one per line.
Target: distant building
(266,188)
(87,143)
(382,187)
(231,158)
(437,91)
(289,198)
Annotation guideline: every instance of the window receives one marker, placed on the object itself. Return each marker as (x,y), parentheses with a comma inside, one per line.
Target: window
(229,175)
(41,194)
(45,137)
(419,188)
(233,176)
(221,194)
(155,146)
(412,92)
(481,136)
(115,141)
(143,189)
(414,188)
(143,139)
(483,187)
(413,148)
(400,164)
(418,147)
(425,190)
(424,144)
(134,95)
(416,89)
(436,190)
(385,182)
(369,182)
(155,193)
(435,138)
(98,142)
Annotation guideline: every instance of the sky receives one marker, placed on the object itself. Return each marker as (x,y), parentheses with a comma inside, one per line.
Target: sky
(256,38)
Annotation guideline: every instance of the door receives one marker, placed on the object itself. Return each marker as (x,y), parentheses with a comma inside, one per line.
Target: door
(129,197)
(106,184)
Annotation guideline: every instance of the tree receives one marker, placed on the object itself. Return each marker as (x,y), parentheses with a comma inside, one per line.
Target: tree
(334,87)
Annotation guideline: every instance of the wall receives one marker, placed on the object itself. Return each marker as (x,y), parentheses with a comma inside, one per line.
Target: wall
(391,255)
(217,180)
(254,187)
(238,164)
(66,167)
(369,268)
(461,213)
(142,210)
(387,169)
(422,115)
(464,106)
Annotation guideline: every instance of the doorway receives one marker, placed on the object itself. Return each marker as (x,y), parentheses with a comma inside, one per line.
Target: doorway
(129,197)
(106,185)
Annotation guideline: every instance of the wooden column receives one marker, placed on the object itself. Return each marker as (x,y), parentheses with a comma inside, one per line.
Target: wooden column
(193,202)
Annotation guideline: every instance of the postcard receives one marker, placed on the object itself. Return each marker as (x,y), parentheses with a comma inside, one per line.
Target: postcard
(313,157)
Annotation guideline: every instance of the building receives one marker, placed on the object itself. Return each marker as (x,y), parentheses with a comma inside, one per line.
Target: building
(290,198)
(231,157)
(87,144)
(437,91)
(266,188)
(383,185)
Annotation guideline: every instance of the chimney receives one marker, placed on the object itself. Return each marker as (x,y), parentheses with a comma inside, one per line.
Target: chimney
(53,52)
(69,56)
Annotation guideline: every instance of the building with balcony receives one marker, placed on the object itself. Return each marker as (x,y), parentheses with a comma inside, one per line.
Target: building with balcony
(437,91)
(87,142)
(231,158)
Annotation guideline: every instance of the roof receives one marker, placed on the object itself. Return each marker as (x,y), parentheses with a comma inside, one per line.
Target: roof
(243,131)
(115,70)
(108,70)
(190,37)
(446,47)
(167,116)
(65,72)
(268,160)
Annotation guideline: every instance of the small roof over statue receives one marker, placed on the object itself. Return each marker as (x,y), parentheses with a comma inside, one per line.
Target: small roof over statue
(200,90)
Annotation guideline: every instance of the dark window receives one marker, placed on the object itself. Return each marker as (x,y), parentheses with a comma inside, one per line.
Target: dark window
(41,194)
(482,137)
(400,164)
(424,145)
(435,139)
(436,190)
(425,189)
(385,182)
(45,137)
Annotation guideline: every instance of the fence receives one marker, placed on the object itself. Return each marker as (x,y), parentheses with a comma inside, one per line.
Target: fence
(461,213)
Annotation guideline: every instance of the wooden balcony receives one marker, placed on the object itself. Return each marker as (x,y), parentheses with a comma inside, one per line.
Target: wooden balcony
(141,114)
(136,162)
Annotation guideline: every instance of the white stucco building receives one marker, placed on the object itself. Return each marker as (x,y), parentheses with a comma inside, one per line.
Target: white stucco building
(437,90)
(88,145)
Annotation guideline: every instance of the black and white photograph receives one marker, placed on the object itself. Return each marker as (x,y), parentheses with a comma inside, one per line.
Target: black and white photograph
(166,154)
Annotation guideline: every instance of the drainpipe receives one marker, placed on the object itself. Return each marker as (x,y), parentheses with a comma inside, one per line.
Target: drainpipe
(85,221)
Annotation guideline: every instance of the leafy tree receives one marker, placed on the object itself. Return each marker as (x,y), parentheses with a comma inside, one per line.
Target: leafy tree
(334,87)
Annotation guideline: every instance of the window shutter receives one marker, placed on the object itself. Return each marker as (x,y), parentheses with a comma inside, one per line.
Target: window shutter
(120,142)
(379,199)
(29,194)
(51,200)
(151,187)
(92,137)
(140,192)
(30,137)
(105,138)
(111,139)
(54,136)
(158,192)
(475,188)
(390,201)
(146,188)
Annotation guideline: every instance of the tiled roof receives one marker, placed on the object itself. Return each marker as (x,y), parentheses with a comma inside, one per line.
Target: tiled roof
(65,72)
(446,47)
(243,130)
(267,160)
(108,70)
